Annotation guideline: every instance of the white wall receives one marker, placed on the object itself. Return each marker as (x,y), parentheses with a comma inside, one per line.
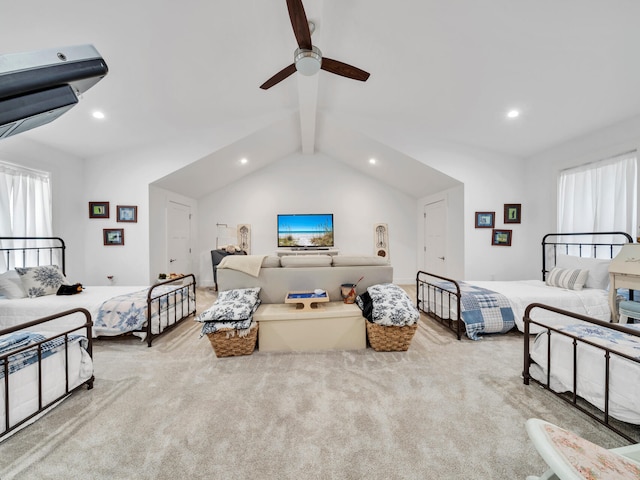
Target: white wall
(312,184)
(67,185)
(542,170)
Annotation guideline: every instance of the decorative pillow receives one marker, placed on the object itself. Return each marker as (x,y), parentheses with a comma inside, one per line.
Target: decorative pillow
(570,278)
(358,260)
(306,261)
(391,306)
(271,261)
(42,280)
(241,295)
(598,269)
(11,285)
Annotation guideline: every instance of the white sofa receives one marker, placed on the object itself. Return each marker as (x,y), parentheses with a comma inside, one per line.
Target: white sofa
(279,275)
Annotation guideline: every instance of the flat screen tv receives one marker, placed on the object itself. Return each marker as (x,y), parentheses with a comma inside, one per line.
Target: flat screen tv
(312,230)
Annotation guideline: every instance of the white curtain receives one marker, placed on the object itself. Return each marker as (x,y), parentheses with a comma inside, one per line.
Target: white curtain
(25,203)
(600,196)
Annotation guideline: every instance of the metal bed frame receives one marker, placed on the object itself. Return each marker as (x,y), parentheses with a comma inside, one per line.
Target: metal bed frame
(431,287)
(5,363)
(572,397)
(52,251)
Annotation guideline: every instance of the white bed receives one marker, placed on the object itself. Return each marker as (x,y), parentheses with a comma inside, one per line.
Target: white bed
(592,302)
(32,271)
(607,367)
(624,380)
(575,278)
(16,311)
(60,372)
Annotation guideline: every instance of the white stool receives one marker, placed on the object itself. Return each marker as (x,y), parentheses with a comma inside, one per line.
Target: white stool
(629,309)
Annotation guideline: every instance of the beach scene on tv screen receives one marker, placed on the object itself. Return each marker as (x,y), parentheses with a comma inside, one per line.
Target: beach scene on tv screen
(305,230)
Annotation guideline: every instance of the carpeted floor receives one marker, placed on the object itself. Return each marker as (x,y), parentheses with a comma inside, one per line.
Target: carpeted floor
(445,409)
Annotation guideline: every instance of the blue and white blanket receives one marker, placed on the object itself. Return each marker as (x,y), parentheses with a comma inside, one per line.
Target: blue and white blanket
(390,306)
(613,339)
(482,310)
(128,313)
(17,340)
(233,310)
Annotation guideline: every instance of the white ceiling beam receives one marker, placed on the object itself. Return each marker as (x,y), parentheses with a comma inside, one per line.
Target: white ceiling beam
(308,101)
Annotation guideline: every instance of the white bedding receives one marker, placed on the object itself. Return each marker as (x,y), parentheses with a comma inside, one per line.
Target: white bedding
(588,301)
(624,390)
(21,310)
(23,384)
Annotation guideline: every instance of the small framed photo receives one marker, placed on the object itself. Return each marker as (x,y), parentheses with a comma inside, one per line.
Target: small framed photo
(485,219)
(127,213)
(501,238)
(113,236)
(98,209)
(512,212)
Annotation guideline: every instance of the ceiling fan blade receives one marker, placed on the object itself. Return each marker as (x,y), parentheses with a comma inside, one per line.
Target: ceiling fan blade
(299,23)
(344,69)
(278,77)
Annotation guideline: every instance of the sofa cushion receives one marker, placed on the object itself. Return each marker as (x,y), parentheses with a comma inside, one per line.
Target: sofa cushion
(271,261)
(306,261)
(358,260)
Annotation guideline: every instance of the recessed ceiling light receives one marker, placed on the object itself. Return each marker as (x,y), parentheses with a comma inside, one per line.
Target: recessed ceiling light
(98,114)
(372,161)
(243,161)
(513,114)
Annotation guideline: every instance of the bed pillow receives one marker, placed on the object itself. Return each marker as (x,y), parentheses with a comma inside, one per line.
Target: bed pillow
(42,280)
(598,269)
(569,278)
(11,285)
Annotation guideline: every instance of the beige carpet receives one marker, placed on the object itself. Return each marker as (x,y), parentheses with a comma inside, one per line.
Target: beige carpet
(445,409)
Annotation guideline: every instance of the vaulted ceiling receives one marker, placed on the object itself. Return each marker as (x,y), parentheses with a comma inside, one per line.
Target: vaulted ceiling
(449,70)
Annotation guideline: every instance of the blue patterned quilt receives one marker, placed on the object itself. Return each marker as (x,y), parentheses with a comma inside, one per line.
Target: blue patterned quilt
(14,341)
(482,310)
(128,313)
(618,341)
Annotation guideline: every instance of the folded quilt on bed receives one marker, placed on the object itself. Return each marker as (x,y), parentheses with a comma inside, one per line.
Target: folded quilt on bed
(128,312)
(18,340)
(233,310)
(389,305)
(484,311)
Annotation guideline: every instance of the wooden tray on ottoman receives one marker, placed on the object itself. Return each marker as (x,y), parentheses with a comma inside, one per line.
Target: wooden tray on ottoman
(235,345)
(390,339)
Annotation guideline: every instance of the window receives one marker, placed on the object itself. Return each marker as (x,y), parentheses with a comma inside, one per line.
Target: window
(600,196)
(25,202)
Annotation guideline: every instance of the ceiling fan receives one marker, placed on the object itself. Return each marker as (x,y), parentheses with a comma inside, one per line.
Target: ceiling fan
(308,59)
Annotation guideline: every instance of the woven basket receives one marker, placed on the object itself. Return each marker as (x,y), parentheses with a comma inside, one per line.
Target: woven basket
(390,339)
(234,345)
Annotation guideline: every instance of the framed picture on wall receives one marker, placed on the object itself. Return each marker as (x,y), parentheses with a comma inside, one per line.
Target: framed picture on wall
(501,237)
(113,236)
(127,213)
(98,209)
(512,212)
(485,219)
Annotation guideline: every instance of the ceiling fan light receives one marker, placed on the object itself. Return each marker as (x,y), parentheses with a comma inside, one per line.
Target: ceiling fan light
(308,62)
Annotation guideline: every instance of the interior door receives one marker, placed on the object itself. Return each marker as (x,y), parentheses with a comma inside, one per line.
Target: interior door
(178,238)
(435,238)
